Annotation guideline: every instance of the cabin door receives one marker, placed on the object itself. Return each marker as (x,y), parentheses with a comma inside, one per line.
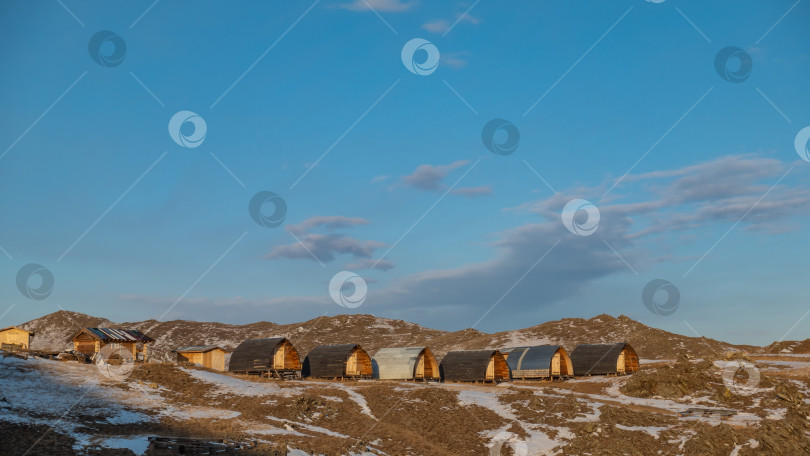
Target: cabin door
(278,356)
(620,363)
(491,369)
(420,367)
(555,364)
(351,365)
(565,364)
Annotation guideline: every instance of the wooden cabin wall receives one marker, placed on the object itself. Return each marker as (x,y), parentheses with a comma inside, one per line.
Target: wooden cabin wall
(86,344)
(419,368)
(351,364)
(216,360)
(620,363)
(431,365)
(194,358)
(566,368)
(359,364)
(15,336)
(500,367)
(555,364)
(631,363)
(279,355)
(117,347)
(291,358)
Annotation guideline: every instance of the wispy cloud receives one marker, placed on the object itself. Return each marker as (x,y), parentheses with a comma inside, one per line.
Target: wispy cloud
(454,60)
(714,194)
(326,221)
(655,209)
(325,247)
(442,25)
(482,190)
(367,263)
(436,26)
(430,177)
(388,6)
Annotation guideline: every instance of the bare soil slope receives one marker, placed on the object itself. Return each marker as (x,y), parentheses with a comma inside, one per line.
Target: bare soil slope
(790,347)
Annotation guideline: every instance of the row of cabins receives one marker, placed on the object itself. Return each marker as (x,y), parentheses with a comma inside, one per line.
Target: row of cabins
(277,357)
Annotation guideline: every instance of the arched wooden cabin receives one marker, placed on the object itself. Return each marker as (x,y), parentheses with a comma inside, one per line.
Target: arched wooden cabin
(337,361)
(274,357)
(602,359)
(474,366)
(540,361)
(408,363)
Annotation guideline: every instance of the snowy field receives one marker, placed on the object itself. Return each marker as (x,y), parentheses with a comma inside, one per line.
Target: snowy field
(531,418)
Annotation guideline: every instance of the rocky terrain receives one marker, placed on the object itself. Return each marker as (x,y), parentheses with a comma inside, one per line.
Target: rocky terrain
(54,330)
(798,347)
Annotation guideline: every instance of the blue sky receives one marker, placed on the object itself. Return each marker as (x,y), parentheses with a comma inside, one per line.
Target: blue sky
(384,172)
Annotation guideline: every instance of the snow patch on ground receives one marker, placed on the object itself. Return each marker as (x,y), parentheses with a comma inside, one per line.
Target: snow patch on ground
(538,441)
(232,385)
(652,430)
(356,397)
(137,445)
(290,426)
(653,361)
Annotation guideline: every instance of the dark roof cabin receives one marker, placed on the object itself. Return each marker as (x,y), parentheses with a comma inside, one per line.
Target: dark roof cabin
(275,357)
(90,341)
(337,361)
(601,359)
(540,361)
(405,363)
(473,366)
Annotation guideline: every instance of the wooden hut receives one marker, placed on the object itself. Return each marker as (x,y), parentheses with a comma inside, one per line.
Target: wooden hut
(603,359)
(407,363)
(90,341)
(15,338)
(210,356)
(474,366)
(338,361)
(273,357)
(540,361)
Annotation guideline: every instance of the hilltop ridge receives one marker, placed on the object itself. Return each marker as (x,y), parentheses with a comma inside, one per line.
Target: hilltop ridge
(53,331)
